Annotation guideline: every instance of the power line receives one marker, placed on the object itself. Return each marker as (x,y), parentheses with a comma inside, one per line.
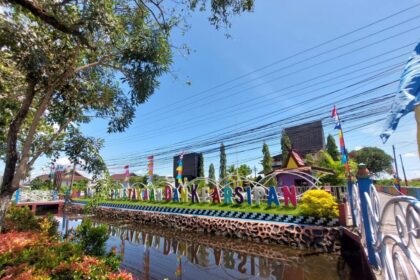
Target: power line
(305,51)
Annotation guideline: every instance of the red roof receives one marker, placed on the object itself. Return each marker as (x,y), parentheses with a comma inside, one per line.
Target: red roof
(77,176)
(121,176)
(297,158)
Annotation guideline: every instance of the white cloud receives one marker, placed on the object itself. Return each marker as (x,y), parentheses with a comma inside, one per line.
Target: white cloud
(413,174)
(63,161)
(356,148)
(410,155)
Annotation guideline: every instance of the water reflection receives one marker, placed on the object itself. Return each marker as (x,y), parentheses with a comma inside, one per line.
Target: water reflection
(151,252)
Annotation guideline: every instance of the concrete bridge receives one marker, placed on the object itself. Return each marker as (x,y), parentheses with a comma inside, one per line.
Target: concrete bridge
(43,205)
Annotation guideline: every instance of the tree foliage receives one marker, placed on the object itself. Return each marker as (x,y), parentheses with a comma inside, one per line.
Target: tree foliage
(286,145)
(212,173)
(243,170)
(64,63)
(325,160)
(331,147)
(222,168)
(201,166)
(376,159)
(267,163)
(38,184)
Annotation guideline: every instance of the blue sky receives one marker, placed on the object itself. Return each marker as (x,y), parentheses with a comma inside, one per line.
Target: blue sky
(179,112)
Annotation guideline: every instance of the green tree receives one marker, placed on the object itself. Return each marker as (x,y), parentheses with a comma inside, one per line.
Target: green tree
(332,147)
(244,170)
(325,160)
(38,184)
(81,185)
(231,170)
(212,175)
(62,62)
(201,166)
(376,159)
(222,168)
(267,163)
(138,180)
(286,145)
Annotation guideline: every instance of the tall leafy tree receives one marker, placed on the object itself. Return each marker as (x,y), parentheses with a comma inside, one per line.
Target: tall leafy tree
(376,159)
(212,173)
(222,168)
(286,145)
(332,147)
(63,63)
(267,163)
(244,170)
(201,166)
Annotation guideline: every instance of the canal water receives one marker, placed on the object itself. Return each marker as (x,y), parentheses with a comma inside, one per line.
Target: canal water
(152,252)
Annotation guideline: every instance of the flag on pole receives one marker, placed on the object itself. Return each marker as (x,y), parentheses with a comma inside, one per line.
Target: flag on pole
(343,150)
(180,168)
(407,98)
(126,175)
(150,170)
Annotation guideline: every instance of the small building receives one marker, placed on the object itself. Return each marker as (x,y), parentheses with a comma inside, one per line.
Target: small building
(307,138)
(62,178)
(296,172)
(122,177)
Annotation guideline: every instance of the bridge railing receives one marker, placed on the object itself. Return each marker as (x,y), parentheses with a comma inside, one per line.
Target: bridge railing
(390,233)
(27,195)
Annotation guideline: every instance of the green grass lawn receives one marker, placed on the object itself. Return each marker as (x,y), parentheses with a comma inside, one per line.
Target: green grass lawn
(244,207)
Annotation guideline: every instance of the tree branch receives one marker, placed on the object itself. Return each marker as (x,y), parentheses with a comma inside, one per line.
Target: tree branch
(22,167)
(162,25)
(49,143)
(37,10)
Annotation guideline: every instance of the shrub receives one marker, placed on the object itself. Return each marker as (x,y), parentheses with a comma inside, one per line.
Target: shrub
(20,219)
(49,226)
(25,255)
(92,239)
(319,203)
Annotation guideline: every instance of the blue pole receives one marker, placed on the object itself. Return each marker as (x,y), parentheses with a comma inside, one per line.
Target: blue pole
(364,182)
(17,194)
(350,190)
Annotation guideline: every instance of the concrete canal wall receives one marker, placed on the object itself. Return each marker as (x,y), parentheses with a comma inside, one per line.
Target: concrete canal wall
(320,238)
(410,191)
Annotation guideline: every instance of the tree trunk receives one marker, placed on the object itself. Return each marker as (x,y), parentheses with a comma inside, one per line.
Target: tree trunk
(5,200)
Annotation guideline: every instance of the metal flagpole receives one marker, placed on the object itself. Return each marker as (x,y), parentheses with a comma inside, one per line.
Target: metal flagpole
(403,169)
(396,169)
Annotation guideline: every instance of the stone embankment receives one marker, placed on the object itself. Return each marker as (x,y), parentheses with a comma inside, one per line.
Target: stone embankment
(320,238)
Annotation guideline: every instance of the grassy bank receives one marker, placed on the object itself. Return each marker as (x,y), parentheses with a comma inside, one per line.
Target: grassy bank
(244,207)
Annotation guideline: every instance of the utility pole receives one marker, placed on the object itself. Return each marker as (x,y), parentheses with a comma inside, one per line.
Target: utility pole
(396,169)
(255,172)
(403,169)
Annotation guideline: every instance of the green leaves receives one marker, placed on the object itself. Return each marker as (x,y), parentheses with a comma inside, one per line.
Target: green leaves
(376,159)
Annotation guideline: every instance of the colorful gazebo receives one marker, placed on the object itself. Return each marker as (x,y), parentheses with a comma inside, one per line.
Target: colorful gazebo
(295,172)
